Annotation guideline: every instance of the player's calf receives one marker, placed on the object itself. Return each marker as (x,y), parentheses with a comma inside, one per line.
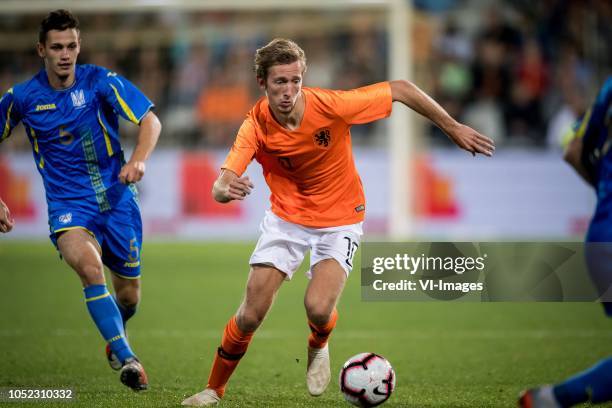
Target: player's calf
(234,344)
(127,295)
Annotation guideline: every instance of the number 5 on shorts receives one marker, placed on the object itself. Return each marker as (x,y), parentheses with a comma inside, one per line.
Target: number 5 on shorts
(133,256)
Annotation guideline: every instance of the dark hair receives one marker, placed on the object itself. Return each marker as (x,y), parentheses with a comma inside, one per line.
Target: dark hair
(57,20)
(277,52)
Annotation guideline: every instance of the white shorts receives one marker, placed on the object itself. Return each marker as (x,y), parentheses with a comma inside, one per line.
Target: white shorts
(283,245)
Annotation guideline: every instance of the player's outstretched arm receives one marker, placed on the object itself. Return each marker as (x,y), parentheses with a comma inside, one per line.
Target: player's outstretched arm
(463,136)
(6,221)
(230,187)
(134,169)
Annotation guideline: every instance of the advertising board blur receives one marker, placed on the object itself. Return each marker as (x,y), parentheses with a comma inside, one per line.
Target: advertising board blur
(515,195)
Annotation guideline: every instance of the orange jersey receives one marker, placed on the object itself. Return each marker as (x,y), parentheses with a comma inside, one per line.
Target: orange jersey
(310,170)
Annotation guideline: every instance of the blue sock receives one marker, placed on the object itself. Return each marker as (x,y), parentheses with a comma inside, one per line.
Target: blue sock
(126,312)
(607,308)
(594,383)
(107,317)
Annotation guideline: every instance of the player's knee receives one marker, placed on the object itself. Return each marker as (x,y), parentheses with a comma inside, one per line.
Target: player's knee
(91,274)
(128,298)
(319,318)
(318,313)
(249,319)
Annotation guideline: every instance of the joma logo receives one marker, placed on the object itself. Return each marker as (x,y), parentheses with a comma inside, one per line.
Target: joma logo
(47,106)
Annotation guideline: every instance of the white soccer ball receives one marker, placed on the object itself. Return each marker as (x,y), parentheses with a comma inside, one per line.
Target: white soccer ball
(367,380)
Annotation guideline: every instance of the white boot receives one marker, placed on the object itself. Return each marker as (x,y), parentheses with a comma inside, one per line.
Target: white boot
(206,398)
(318,373)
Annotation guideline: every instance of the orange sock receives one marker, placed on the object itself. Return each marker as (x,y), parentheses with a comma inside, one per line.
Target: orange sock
(320,334)
(233,346)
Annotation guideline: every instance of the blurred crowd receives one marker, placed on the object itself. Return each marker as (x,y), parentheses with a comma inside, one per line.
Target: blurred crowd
(198,67)
(520,72)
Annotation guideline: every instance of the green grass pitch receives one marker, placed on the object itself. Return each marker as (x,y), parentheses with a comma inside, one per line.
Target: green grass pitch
(444,354)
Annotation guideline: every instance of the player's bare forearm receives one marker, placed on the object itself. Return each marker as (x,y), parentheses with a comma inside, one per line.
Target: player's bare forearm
(463,136)
(6,221)
(230,187)
(148,134)
(572,155)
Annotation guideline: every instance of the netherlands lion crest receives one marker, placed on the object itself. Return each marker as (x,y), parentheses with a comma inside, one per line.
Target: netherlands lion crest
(322,138)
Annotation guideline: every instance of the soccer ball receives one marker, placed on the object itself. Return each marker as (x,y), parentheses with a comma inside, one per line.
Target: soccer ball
(367,380)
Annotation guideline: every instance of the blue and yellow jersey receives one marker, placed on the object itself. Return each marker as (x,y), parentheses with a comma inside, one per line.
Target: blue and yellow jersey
(74,132)
(595,129)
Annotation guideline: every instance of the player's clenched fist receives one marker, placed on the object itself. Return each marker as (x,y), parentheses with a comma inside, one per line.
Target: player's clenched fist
(132,172)
(6,222)
(239,188)
(230,187)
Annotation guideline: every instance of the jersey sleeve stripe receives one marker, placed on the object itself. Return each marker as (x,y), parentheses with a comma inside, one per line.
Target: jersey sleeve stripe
(124,106)
(585,123)
(7,124)
(34,139)
(109,147)
(41,162)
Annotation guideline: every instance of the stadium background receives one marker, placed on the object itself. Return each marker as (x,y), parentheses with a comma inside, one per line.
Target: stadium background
(520,72)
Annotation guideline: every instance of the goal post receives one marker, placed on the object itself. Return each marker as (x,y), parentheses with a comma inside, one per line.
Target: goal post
(400,139)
